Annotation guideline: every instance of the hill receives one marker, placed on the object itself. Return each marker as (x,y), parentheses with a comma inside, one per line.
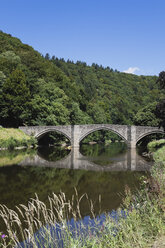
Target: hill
(38,90)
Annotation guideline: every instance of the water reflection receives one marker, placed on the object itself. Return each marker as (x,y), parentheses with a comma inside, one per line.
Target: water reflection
(15,156)
(114,157)
(45,173)
(51,153)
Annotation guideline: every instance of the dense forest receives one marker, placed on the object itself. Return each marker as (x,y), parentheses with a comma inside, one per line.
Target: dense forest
(44,90)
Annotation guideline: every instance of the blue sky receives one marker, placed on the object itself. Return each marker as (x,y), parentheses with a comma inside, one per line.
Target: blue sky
(127,35)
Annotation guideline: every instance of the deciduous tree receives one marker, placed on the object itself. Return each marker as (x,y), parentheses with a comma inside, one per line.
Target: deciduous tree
(15,99)
(160,108)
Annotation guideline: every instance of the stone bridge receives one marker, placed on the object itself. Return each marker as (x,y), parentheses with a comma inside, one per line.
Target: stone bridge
(76,133)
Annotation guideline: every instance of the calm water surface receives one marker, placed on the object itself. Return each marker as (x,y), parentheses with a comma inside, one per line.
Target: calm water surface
(95,170)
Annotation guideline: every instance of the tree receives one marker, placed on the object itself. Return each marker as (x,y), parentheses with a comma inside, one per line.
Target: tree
(146,116)
(77,116)
(49,105)
(161,80)
(9,61)
(47,56)
(160,113)
(160,108)
(15,100)
(97,113)
(2,80)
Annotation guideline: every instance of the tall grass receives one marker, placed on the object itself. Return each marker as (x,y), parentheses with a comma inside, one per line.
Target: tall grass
(39,225)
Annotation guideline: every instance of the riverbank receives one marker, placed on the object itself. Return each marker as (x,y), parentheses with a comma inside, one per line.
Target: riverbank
(11,138)
(139,223)
(144,224)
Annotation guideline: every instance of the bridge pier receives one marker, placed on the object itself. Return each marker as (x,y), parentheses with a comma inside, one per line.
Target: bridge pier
(75,136)
(131,136)
(75,133)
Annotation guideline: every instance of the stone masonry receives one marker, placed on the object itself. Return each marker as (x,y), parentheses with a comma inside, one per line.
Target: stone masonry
(76,133)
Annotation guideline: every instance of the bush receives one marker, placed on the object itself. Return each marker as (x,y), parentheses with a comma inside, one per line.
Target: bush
(24,143)
(33,141)
(155,144)
(11,138)
(11,143)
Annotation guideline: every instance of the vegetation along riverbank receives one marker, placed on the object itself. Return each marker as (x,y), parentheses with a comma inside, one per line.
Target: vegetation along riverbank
(139,223)
(11,138)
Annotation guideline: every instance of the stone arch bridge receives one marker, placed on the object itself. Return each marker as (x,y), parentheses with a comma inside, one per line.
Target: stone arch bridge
(76,133)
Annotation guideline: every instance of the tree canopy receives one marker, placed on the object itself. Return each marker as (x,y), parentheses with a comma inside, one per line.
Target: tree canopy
(160,108)
(45,90)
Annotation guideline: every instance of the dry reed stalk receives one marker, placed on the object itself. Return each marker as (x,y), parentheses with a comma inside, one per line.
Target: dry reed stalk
(24,221)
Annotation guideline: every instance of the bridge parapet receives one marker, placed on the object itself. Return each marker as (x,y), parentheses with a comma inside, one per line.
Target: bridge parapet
(130,134)
(39,131)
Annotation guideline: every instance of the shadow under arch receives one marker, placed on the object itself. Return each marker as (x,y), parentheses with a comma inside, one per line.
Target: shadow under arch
(103,128)
(46,131)
(149,133)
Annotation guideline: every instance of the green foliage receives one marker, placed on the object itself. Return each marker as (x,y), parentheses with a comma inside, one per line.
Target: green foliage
(15,98)
(146,116)
(2,79)
(50,106)
(155,144)
(50,91)
(9,61)
(11,138)
(161,80)
(159,155)
(77,116)
(160,108)
(102,136)
(160,113)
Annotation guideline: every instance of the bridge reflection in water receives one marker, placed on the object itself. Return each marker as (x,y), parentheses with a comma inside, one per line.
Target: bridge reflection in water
(130,160)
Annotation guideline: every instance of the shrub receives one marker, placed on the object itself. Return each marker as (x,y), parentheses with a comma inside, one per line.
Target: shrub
(155,144)
(11,138)
(33,141)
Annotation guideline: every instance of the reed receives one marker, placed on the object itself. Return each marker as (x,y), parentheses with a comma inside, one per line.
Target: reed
(139,223)
(37,224)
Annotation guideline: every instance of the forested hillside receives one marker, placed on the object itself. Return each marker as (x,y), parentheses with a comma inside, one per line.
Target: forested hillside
(44,90)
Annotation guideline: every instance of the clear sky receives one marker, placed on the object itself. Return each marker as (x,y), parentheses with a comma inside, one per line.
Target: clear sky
(127,35)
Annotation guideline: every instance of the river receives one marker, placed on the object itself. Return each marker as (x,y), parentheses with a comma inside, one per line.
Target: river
(95,170)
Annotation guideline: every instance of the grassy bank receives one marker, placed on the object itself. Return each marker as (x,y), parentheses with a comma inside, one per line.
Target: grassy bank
(142,225)
(159,154)
(145,223)
(11,138)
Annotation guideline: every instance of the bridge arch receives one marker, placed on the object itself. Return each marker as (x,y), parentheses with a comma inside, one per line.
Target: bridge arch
(76,133)
(149,133)
(99,129)
(48,130)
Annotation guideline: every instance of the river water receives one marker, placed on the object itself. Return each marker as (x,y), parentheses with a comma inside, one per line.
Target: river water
(95,170)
